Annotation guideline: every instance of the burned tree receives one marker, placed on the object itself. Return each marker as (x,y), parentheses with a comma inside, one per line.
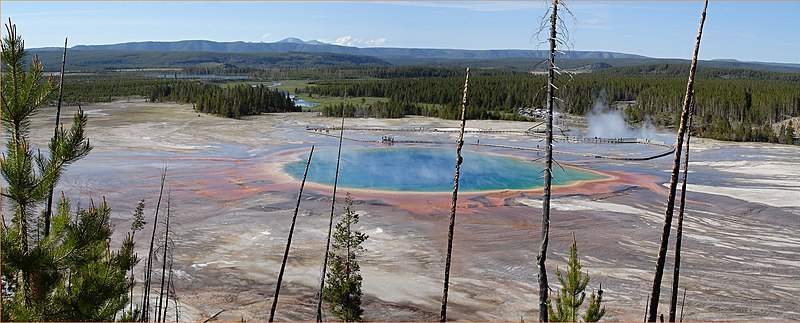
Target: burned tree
(679,231)
(149,267)
(459,145)
(166,246)
(289,240)
(548,170)
(49,206)
(670,207)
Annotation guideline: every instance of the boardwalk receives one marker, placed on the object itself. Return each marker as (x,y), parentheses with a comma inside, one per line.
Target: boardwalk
(326,131)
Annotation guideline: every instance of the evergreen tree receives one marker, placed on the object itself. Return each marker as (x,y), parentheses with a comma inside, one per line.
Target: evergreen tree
(343,288)
(70,274)
(595,312)
(569,300)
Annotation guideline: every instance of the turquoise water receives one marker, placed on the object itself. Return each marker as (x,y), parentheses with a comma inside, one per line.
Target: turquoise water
(428,170)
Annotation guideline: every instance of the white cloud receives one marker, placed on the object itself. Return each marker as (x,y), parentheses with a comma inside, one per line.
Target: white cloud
(344,40)
(375,42)
(349,40)
(265,36)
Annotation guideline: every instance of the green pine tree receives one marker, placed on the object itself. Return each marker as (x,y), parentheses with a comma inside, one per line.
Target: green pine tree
(69,274)
(343,281)
(569,300)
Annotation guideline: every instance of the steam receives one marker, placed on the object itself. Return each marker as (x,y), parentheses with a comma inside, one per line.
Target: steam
(604,122)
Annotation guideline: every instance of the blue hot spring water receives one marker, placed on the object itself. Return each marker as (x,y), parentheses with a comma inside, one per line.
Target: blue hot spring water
(428,170)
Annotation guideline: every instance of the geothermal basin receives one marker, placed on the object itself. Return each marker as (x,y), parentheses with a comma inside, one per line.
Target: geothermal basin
(233,200)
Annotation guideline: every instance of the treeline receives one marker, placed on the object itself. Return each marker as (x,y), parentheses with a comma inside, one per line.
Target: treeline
(491,97)
(758,102)
(232,102)
(208,96)
(722,129)
(378,109)
(343,72)
(80,89)
(618,68)
(682,70)
(748,103)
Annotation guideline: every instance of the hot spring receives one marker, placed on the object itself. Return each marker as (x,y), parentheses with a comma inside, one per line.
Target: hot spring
(429,170)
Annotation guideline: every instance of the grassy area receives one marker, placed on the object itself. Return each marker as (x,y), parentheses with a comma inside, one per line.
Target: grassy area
(290,85)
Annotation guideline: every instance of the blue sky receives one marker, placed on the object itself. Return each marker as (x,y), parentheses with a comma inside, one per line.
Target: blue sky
(743,30)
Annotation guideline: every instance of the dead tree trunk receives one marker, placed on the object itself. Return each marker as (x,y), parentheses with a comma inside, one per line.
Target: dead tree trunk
(330,223)
(169,290)
(48,212)
(679,232)
(174,295)
(289,240)
(459,145)
(164,260)
(662,251)
(548,170)
(149,268)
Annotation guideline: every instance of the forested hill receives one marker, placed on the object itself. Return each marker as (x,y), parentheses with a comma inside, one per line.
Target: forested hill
(89,60)
(526,64)
(296,45)
(289,52)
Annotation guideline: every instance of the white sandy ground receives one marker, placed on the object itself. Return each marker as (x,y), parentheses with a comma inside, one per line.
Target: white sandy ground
(228,249)
(588,205)
(778,197)
(768,169)
(774,183)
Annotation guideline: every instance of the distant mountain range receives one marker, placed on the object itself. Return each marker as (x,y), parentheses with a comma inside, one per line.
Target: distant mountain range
(89,60)
(316,53)
(314,46)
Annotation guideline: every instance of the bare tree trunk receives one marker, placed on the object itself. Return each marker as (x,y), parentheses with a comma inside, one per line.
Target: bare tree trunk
(330,223)
(164,260)
(459,145)
(174,296)
(662,251)
(48,212)
(289,241)
(148,271)
(548,170)
(169,288)
(679,234)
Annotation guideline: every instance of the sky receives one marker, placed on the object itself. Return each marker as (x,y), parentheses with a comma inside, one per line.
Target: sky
(744,30)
